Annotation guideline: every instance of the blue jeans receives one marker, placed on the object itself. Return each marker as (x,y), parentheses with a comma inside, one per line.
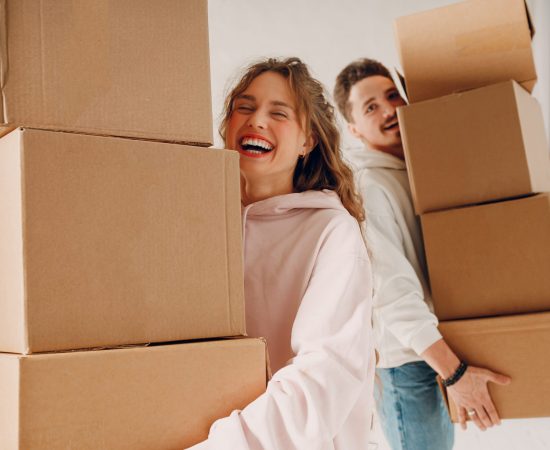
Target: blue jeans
(411,408)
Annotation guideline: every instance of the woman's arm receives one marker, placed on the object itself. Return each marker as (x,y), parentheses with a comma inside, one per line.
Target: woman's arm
(307,401)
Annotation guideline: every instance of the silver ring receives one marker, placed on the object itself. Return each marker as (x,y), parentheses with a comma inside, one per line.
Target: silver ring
(471,412)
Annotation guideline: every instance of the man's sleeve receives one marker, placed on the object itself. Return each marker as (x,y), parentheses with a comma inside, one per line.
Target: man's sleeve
(399,296)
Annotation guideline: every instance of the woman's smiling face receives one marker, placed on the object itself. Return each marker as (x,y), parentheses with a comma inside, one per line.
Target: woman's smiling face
(265,129)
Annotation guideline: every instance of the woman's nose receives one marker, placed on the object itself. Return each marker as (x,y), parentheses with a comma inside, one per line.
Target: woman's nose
(257,120)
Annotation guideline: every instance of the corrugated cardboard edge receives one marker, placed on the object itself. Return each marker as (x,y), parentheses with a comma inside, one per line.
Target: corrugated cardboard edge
(23,236)
(534,139)
(3,58)
(529,85)
(234,263)
(401,112)
(100,133)
(10,395)
(210,131)
(122,134)
(451,408)
(497,324)
(397,41)
(268,373)
(399,81)
(12,330)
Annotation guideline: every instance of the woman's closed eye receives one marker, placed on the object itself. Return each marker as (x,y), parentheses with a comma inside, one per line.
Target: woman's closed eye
(279,114)
(244,108)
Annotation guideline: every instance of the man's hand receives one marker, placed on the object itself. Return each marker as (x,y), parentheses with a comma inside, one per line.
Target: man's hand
(472,399)
(470,392)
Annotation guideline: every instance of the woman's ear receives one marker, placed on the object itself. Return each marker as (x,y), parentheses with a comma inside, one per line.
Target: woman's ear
(309,144)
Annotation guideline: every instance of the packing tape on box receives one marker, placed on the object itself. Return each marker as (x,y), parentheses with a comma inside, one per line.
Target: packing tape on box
(3,55)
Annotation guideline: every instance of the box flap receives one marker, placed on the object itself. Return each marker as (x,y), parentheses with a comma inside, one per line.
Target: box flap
(494,326)
(6,130)
(401,84)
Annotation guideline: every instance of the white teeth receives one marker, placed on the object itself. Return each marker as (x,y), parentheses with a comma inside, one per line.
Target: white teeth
(256,142)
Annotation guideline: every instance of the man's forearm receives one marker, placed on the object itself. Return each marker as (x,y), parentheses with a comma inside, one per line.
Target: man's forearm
(441,358)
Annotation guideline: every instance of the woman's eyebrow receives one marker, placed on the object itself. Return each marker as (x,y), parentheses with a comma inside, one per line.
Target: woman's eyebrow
(280,103)
(274,102)
(246,97)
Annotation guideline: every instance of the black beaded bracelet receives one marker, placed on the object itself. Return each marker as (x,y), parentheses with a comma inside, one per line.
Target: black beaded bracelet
(461,369)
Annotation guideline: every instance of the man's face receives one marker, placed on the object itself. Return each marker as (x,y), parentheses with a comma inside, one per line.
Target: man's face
(374,101)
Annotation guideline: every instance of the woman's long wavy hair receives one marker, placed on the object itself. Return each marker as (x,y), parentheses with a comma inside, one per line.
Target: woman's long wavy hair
(323,167)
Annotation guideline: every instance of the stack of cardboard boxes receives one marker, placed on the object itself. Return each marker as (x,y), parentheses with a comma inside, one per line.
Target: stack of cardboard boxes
(118,228)
(479,168)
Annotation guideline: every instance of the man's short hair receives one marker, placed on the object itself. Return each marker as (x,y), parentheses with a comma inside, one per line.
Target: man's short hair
(351,74)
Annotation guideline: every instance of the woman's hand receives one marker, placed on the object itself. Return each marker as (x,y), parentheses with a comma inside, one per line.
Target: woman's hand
(472,398)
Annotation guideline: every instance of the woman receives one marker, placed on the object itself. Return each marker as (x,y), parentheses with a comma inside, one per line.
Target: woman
(307,273)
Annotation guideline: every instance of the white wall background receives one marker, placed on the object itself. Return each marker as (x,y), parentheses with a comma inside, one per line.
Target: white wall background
(540,10)
(327,35)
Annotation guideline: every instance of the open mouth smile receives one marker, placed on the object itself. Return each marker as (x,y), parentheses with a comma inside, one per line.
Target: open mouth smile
(255,146)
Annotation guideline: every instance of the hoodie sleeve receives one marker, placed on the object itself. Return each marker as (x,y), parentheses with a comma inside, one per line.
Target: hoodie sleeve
(399,303)
(308,400)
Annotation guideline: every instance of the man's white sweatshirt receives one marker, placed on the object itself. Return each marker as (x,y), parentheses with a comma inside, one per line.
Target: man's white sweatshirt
(403,319)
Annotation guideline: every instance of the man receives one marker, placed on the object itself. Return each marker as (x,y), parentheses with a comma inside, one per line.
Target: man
(411,349)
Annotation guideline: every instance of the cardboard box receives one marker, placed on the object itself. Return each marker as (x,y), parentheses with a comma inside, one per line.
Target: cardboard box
(108,241)
(161,397)
(109,67)
(481,145)
(491,259)
(464,46)
(516,346)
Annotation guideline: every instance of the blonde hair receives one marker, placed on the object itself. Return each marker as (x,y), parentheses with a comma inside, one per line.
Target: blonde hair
(323,167)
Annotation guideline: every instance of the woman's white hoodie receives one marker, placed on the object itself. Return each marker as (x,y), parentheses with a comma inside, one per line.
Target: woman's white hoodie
(308,291)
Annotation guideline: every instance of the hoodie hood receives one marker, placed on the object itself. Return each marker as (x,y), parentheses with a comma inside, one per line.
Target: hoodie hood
(366,158)
(282,204)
